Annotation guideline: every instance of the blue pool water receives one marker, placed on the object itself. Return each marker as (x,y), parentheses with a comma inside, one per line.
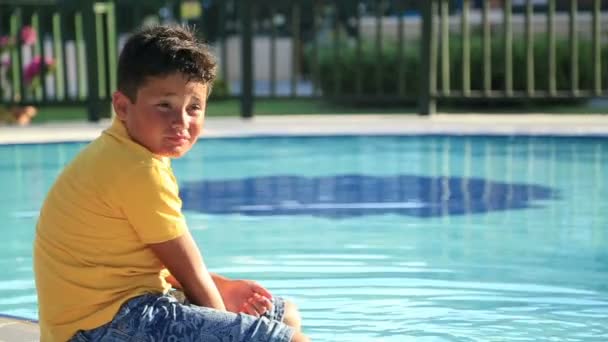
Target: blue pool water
(425,238)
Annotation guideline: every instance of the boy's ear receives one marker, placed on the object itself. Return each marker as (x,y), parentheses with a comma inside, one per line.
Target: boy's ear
(121,104)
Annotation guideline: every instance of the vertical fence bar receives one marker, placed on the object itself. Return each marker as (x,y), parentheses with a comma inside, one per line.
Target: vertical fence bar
(16,58)
(246,59)
(445,46)
(487,50)
(2,10)
(177,11)
(428,59)
(22,84)
(65,28)
(59,57)
(508,48)
(400,52)
(573,47)
(316,78)
(597,49)
(80,55)
(529,49)
(359,52)
(336,68)
(379,54)
(112,46)
(273,52)
(295,16)
(136,17)
(101,58)
(466,48)
(40,92)
(551,47)
(90,39)
(222,39)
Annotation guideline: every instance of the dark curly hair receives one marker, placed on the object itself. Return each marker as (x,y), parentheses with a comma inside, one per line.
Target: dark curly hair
(161,50)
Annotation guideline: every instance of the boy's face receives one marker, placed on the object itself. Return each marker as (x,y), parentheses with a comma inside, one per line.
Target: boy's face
(167,116)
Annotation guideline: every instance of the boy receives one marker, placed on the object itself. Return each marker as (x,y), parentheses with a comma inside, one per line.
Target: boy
(111,239)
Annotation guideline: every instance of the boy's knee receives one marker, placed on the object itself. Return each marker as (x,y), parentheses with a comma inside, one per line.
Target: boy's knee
(299,337)
(292,316)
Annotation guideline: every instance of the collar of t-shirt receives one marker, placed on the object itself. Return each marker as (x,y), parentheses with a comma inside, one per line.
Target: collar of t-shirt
(119,131)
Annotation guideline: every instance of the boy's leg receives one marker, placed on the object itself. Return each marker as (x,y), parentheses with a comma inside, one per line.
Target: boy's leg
(299,337)
(292,316)
(282,310)
(287,312)
(161,318)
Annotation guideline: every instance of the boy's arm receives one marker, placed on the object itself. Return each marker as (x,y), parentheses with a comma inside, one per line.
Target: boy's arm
(238,295)
(219,280)
(182,258)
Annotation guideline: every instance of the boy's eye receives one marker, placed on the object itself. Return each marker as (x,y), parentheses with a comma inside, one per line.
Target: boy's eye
(195,108)
(163,105)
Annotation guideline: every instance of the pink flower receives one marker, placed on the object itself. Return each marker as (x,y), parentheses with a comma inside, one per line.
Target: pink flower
(5,62)
(28,35)
(5,41)
(34,69)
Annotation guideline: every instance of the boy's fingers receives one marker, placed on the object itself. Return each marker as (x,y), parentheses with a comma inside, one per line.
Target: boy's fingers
(259,289)
(258,306)
(249,309)
(245,309)
(265,302)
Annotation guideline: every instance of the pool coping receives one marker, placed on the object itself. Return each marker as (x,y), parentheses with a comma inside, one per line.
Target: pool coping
(321,125)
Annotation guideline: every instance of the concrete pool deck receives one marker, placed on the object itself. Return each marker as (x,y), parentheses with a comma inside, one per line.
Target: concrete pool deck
(12,329)
(453,124)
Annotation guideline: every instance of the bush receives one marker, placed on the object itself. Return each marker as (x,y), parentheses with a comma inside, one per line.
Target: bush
(347,64)
(220,89)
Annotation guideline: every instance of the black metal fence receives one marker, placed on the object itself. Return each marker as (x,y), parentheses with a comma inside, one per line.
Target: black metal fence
(380,51)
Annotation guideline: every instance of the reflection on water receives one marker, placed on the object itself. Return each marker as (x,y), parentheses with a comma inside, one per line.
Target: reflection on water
(357,195)
(444,257)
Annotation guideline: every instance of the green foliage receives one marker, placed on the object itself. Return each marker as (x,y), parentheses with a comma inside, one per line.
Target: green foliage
(347,65)
(360,72)
(220,89)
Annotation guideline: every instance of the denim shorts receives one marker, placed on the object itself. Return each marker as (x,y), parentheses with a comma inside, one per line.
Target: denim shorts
(157,317)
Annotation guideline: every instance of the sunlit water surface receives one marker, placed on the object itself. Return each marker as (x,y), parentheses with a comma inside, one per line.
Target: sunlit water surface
(398,239)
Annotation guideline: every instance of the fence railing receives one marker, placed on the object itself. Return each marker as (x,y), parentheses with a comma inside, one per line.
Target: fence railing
(595,86)
(78,44)
(413,51)
(380,51)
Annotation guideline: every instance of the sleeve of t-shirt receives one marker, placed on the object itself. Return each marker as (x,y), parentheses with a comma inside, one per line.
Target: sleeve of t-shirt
(151,204)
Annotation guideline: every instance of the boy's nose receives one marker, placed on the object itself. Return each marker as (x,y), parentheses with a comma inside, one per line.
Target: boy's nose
(181,120)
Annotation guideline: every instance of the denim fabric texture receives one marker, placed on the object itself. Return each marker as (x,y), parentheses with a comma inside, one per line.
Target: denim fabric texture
(156,317)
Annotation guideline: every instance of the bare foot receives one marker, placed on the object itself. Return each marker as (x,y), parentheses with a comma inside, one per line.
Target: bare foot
(23,115)
(245,296)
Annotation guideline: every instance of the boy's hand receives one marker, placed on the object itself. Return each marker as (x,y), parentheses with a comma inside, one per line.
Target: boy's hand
(245,296)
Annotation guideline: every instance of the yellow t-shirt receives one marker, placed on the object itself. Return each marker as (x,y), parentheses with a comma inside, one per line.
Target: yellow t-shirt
(90,251)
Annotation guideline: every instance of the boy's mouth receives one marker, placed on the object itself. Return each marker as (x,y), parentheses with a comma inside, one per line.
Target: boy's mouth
(178,139)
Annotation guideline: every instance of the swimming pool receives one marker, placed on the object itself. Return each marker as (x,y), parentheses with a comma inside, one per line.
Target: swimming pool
(379,238)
